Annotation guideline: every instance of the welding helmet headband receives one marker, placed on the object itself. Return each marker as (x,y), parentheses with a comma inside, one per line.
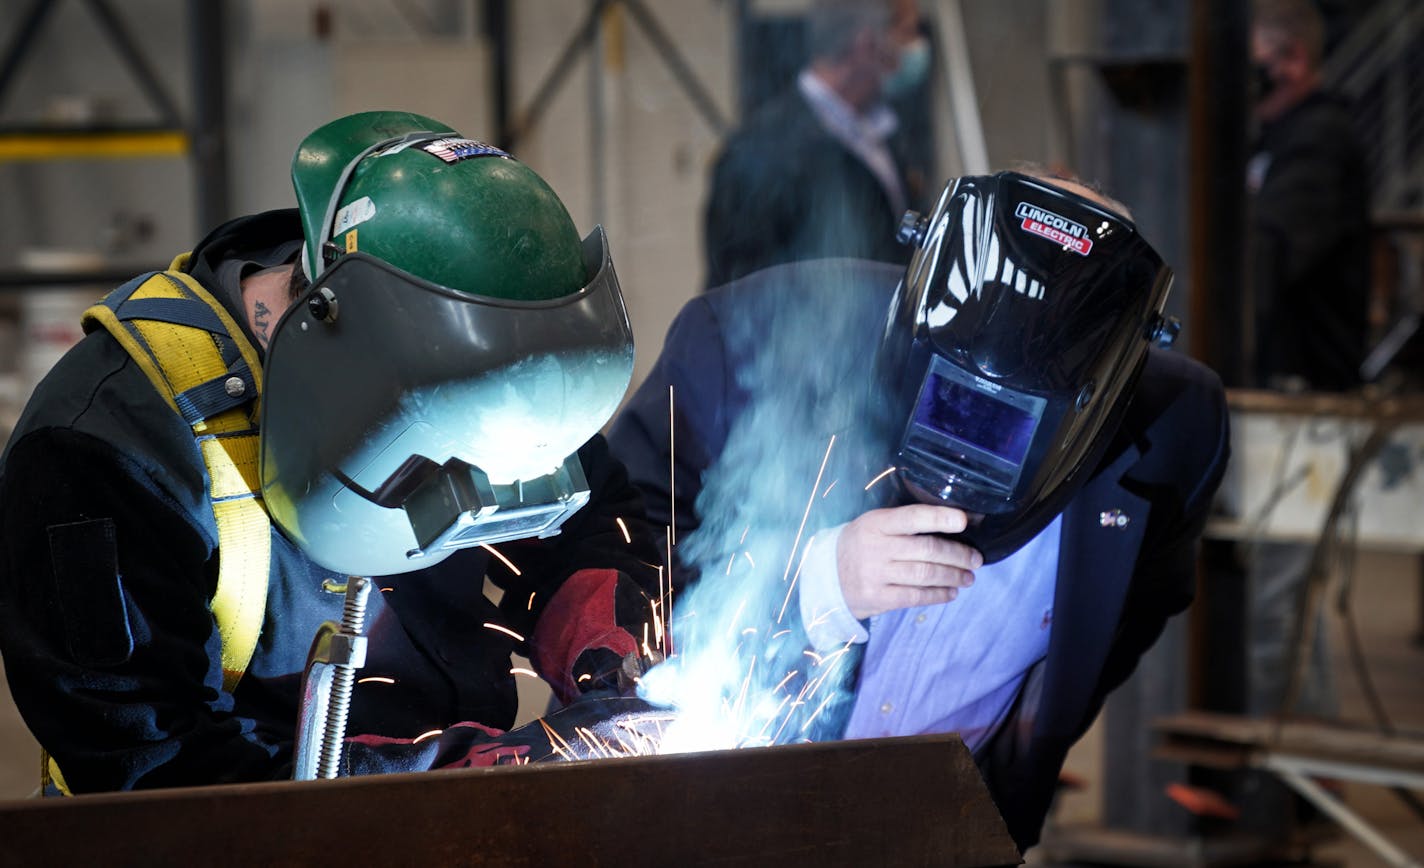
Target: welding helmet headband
(1012,348)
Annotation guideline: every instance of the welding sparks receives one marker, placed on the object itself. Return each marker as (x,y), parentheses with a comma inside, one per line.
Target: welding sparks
(375,679)
(637,734)
(424,735)
(530,605)
(504,560)
(828,488)
(817,713)
(623,527)
(672,469)
(746,684)
(664,601)
(517,637)
(884,473)
(748,556)
(792,587)
(669,561)
(736,616)
(520,670)
(562,748)
(834,654)
(807,514)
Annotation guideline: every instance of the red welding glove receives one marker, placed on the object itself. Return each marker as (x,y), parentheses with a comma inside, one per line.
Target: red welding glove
(597,635)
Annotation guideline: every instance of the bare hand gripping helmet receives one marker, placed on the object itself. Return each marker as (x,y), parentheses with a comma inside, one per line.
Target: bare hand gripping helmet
(1012,349)
(457,345)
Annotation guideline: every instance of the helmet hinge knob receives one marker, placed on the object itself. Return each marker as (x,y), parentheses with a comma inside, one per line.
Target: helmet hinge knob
(1085,397)
(1164,331)
(913,227)
(323,305)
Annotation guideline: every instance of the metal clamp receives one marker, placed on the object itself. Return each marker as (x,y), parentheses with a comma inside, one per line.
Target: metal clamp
(336,653)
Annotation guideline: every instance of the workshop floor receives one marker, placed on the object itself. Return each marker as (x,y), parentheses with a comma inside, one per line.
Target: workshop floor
(1388,610)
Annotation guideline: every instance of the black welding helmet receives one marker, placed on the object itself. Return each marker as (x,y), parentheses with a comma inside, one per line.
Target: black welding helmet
(457,344)
(1012,347)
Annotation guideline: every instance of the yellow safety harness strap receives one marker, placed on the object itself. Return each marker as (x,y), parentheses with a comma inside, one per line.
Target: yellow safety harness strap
(207,371)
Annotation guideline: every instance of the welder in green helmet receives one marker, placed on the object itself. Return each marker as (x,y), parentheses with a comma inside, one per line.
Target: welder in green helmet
(403,380)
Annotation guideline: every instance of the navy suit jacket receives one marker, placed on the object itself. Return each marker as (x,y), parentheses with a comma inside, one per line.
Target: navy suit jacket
(784,189)
(1117,583)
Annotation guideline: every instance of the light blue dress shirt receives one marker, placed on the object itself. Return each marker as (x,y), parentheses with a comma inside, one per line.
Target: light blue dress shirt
(954,667)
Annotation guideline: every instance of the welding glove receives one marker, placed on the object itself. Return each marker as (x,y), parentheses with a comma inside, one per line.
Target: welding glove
(899,557)
(596,636)
(463,745)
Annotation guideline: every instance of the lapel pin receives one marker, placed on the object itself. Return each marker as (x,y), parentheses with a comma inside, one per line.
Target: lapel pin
(1112,518)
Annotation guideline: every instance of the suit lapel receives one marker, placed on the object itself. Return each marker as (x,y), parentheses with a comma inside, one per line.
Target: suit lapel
(1102,532)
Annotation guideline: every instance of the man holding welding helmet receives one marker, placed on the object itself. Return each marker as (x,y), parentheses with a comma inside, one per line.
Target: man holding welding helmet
(1032,477)
(434,351)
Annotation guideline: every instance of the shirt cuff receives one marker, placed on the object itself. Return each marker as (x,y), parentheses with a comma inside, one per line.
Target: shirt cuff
(829,623)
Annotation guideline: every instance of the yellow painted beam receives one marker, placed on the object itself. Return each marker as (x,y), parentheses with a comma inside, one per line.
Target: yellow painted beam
(96,145)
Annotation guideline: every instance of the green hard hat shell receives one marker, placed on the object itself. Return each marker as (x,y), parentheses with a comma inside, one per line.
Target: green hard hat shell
(484,224)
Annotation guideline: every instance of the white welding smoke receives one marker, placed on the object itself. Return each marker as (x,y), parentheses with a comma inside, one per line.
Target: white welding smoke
(795,463)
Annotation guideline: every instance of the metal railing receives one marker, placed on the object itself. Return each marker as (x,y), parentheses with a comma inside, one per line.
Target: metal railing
(1377,65)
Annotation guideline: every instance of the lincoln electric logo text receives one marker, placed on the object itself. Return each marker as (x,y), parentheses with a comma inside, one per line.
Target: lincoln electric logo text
(1060,230)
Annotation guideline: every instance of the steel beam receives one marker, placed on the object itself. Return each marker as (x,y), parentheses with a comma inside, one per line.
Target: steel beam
(906,801)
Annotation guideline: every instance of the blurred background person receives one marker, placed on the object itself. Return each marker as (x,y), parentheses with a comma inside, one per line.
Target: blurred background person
(1309,261)
(825,167)
(1310,210)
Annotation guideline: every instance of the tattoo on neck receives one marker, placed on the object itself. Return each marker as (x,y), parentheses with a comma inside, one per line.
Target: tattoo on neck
(261,321)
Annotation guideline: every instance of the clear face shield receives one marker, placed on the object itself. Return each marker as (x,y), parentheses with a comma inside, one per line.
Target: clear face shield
(402,420)
(1013,345)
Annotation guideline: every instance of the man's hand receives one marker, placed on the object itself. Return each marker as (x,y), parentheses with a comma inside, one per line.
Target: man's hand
(894,559)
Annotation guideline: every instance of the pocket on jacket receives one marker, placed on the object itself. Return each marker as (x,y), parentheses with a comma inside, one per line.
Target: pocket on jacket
(85,572)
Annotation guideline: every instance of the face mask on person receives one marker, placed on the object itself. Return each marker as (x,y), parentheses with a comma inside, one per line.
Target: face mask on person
(914,67)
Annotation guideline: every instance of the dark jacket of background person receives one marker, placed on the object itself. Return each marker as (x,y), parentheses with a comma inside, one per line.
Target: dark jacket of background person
(109,557)
(784,189)
(1117,581)
(1310,264)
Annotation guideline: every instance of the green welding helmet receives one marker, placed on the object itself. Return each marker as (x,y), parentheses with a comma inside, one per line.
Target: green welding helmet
(456,346)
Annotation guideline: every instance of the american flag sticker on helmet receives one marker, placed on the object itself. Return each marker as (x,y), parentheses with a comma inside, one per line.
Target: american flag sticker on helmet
(455,150)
